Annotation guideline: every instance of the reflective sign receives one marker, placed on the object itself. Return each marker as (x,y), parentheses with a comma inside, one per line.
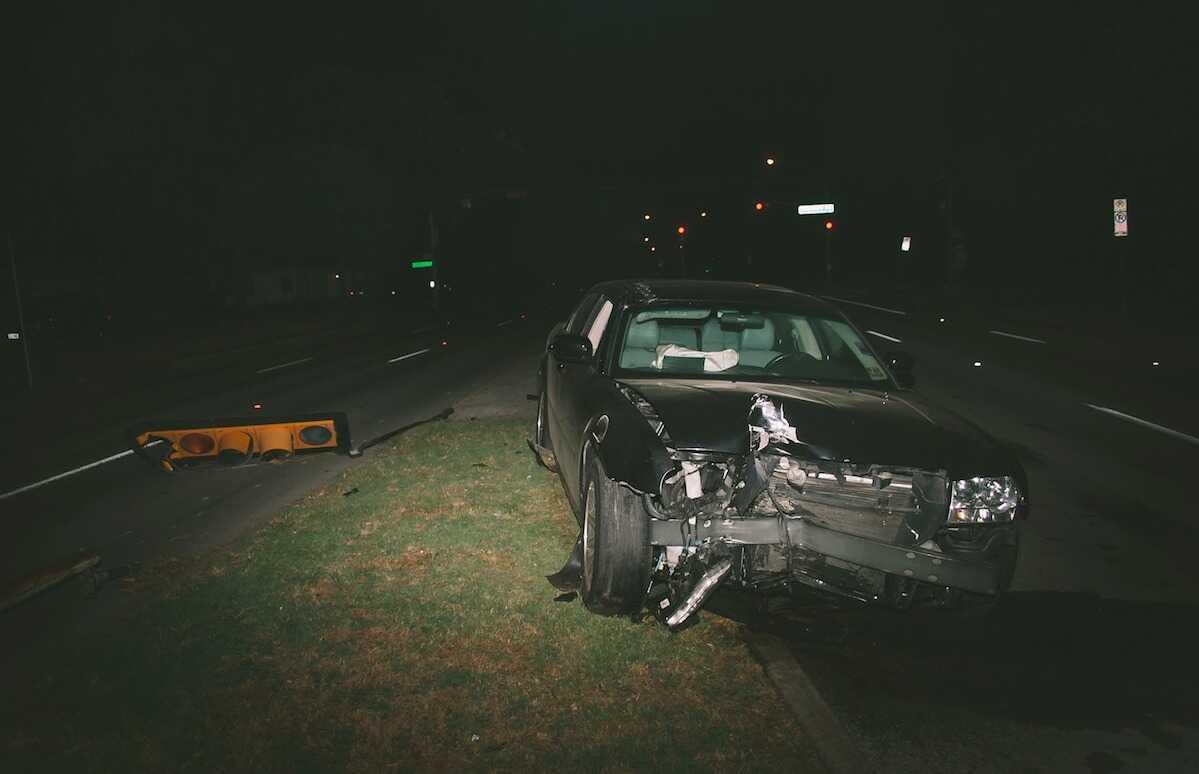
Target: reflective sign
(1120,216)
(906,244)
(816,209)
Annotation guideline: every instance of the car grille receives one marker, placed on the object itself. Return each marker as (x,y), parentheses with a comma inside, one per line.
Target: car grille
(887,505)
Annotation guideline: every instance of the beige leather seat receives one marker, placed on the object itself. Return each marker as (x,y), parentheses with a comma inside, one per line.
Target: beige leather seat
(641,345)
(757,345)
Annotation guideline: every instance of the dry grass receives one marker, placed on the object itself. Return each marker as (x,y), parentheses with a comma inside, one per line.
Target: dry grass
(406,627)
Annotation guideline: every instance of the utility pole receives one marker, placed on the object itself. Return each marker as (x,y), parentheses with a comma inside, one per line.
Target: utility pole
(16,287)
(436,261)
(828,258)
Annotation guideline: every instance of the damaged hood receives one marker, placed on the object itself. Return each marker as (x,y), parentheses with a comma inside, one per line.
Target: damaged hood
(831,423)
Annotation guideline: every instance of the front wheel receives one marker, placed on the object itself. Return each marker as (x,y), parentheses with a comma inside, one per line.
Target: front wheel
(540,442)
(616,549)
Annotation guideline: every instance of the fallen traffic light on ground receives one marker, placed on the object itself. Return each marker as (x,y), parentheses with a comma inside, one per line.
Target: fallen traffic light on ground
(237,440)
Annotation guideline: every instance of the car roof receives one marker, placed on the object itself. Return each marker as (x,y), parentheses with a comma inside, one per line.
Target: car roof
(642,291)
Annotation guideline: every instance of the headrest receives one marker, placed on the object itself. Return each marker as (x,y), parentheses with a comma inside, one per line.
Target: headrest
(643,335)
(758,338)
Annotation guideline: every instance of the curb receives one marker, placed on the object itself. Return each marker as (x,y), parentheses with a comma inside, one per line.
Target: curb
(833,744)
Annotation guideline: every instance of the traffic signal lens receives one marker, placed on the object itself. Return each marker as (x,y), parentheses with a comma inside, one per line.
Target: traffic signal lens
(682,230)
(759,206)
(235,447)
(275,442)
(197,443)
(316,435)
(828,225)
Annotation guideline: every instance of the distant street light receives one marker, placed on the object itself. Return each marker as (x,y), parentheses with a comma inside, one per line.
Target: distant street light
(644,239)
(653,249)
(433,283)
(336,276)
(703,213)
(646,216)
(759,206)
(770,161)
(682,230)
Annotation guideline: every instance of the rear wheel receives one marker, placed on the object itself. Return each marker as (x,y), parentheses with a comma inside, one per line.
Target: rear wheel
(616,549)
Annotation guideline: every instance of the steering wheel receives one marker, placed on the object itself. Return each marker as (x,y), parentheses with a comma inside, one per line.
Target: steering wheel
(787,357)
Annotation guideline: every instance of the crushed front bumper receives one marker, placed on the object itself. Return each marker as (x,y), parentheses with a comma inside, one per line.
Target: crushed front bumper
(983,565)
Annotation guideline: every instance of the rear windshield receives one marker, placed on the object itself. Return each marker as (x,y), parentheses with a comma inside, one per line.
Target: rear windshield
(746,342)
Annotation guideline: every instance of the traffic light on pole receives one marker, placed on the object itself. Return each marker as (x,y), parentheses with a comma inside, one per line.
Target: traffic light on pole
(828,224)
(759,206)
(681,230)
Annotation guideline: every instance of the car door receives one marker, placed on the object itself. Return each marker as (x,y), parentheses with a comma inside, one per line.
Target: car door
(569,385)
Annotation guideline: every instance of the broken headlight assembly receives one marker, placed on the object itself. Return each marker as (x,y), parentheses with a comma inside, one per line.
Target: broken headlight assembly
(646,409)
(983,500)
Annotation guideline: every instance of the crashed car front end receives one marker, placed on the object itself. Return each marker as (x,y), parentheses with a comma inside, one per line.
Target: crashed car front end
(784,513)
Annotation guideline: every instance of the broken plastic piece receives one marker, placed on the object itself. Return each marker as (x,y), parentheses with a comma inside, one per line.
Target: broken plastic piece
(703,589)
(767,417)
(691,480)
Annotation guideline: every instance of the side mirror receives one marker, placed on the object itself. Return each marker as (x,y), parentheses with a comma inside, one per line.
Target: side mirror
(901,364)
(571,348)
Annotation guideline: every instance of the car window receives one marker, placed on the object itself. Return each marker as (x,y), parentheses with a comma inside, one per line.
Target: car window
(848,350)
(731,341)
(596,330)
(582,314)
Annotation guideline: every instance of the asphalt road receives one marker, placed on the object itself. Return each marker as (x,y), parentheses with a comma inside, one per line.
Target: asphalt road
(1090,663)
(129,512)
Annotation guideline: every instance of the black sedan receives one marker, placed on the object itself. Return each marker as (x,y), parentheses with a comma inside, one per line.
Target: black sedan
(718,432)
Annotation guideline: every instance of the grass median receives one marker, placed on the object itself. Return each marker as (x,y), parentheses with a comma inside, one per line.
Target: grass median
(405,625)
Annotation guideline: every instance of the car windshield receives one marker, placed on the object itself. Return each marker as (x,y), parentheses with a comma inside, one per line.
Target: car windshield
(729,341)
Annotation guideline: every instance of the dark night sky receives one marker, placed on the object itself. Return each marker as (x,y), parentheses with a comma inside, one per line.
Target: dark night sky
(230,133)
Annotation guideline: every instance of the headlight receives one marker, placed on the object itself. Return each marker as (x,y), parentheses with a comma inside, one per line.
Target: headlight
(983,500)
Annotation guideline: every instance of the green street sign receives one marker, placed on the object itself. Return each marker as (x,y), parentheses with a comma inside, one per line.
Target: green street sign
(422,264)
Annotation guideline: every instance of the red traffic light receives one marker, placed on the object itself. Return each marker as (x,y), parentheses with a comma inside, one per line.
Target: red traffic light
(682,230)
(759,206)
(828,225)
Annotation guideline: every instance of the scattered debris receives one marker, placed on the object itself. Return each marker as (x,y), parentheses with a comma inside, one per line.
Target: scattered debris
(357,450)
(350,492)
(46,578)
(94,579)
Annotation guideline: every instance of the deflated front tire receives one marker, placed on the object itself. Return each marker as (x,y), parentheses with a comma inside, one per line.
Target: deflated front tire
(616,547)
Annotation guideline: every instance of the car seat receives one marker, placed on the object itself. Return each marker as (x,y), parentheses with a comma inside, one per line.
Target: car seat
(641,345)
(757,345)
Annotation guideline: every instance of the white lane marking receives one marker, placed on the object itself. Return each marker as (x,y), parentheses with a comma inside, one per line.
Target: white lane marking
(1145,423)
(505,322)
(79,469)
(885,336)
(426,329)
(1016,336)
(284,365)
(868,306)
(410,354)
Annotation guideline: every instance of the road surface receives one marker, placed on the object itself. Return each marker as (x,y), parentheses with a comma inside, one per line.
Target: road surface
(127,511)
(1089,664)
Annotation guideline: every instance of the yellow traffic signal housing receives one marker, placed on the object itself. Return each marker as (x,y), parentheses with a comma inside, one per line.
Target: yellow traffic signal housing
(234,441)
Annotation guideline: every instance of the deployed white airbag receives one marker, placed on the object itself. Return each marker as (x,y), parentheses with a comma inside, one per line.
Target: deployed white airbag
(720,360)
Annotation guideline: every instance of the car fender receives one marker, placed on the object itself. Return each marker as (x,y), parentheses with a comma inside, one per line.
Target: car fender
(631,453)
